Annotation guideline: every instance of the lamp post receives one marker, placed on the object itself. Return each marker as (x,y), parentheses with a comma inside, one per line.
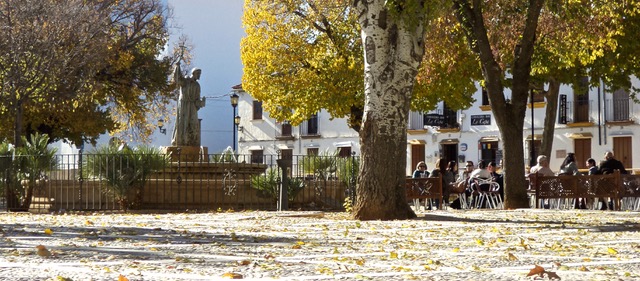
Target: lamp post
(532,146)
(236,119)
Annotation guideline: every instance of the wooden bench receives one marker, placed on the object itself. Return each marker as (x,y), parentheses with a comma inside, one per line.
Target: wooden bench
(615,186)
(424,188)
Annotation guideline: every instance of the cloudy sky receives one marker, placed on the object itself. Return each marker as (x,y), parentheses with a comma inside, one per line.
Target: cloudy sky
(214,27)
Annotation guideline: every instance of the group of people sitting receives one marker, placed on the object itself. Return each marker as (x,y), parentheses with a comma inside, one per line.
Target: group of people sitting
(463,182)
(569,167)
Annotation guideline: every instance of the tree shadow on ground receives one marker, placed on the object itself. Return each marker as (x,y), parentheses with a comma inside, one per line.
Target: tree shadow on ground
(625,226)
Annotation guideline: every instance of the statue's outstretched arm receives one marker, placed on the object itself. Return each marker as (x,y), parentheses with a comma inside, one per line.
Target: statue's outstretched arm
(177,74)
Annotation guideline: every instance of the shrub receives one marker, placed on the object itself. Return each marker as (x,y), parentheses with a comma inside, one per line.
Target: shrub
(322,166)
(268,187)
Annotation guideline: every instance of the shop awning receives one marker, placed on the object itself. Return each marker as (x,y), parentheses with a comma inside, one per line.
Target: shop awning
(489,139)
(415,141)
(449,141)
(255,147)
(343,144)
(580,136)
(283,146)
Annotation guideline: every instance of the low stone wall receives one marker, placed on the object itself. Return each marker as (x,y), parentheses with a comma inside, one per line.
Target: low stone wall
(188,194)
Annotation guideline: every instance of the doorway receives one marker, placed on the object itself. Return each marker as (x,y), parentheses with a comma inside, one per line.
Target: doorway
(450,152)
(582,152)
(488,151)
(622,151)
(417,155)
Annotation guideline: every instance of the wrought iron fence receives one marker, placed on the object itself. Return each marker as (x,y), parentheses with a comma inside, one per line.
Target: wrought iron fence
(217,182)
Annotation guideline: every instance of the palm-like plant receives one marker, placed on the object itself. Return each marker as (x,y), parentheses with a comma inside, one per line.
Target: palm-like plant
(25,167)
(125,170)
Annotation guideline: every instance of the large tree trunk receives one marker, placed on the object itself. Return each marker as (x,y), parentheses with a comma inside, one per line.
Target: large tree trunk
(509,114)
(550,117)
(393,50)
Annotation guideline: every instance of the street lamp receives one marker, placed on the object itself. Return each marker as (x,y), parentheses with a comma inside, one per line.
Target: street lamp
(236,119)
(161,127)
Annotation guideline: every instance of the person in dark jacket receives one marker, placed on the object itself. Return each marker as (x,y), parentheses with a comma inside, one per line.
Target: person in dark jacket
(611,164)
(608,166)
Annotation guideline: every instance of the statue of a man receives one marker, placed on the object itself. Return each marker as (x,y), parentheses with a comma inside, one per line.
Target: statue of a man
(186,132)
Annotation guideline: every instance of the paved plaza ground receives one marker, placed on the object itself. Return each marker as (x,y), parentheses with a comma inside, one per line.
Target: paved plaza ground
(439,245)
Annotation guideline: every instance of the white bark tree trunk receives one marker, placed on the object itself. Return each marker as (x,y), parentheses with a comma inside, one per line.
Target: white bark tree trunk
(393,49)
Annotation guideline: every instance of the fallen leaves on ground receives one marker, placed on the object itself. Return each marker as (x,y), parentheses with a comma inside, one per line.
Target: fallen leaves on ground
(541,272)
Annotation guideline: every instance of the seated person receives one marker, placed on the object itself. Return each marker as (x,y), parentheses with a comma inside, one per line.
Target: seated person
(611,164)
(542,167)
(421,170)
(480,173)
(569,166)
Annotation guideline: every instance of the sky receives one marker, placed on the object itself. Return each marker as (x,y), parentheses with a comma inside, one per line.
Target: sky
(214,28)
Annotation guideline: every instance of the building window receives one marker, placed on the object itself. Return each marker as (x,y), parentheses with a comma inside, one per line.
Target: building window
(450,117)
(257,110)
(286,129)
(344,151)
(619,108)
(313,151)
(581,98)
(257,156)
(485,96)
(312,125)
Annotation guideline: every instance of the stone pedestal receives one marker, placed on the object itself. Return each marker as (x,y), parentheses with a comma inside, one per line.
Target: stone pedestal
(187,153)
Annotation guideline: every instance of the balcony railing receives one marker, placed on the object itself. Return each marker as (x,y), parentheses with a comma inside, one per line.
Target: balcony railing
(579,111)
(618,110)
(418,120)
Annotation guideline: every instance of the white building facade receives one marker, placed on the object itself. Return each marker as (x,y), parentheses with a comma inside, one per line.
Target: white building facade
(587,124)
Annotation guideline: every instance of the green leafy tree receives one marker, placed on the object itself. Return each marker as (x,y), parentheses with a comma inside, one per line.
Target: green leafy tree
(77,69)
(303,56)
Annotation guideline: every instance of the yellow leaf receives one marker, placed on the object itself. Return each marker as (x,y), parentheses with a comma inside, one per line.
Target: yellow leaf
(232,275)
(48,231)
(612,251)
(455,250)
(296,247)
(122,278)
(360,262)
(393,255)
(479,242)
(300,243)
(583,268)
(88,222)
